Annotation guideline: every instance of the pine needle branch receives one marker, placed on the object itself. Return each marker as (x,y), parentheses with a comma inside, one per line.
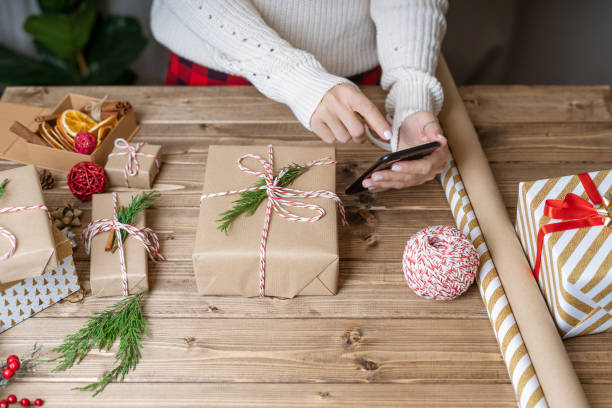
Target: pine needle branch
(249,200)
(2,185)
(129,214)
(124,321)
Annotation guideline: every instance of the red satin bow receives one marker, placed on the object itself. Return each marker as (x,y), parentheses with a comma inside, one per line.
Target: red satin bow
(579,212)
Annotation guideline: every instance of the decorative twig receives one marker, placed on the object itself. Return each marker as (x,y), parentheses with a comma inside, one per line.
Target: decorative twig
(129,215)
(28,364)
(250,200)
(124,321)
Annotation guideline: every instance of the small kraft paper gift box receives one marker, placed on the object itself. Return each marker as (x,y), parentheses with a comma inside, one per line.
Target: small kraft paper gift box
(289,245)
(122,271)
(132,165)
(27,247)
(564,225)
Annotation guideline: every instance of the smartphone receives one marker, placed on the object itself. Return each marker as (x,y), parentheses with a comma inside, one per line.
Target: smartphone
(386,161)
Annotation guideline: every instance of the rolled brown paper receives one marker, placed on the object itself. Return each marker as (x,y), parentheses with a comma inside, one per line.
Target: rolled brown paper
(552,365)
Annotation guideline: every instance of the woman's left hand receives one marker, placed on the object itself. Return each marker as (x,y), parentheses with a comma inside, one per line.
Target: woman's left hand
(413,172)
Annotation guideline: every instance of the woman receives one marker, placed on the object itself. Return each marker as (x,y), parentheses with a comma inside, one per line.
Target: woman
(301,52)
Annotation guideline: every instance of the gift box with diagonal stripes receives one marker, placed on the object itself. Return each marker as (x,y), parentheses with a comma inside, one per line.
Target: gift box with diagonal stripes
(565,227)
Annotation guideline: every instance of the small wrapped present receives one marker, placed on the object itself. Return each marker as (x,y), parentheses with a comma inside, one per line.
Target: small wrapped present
(27,247)
(565,227)
(122,271)
(132,165)
(24,298)
(265,253)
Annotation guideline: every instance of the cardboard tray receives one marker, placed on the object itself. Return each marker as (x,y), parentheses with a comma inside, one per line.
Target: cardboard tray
(12,147)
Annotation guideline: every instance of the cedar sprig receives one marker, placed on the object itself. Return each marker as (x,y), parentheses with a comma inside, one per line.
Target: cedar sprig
(124,321)
(2,185)
(250,200)
(129,214)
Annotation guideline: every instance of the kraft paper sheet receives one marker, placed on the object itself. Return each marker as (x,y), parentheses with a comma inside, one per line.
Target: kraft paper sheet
(552,365)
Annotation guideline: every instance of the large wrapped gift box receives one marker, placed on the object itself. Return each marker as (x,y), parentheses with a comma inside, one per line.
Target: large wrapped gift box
(301,257)
(34,244)
(575,272)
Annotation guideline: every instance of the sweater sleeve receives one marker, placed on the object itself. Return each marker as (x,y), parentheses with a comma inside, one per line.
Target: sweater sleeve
(237,39)
(408,37)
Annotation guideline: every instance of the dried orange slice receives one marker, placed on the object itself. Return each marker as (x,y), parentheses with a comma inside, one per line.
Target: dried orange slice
(102,133)
(110,121)
(73,121)
(47,133)
(64,140)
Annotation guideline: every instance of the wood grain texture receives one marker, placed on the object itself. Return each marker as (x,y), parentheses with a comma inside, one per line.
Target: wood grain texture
(375,343)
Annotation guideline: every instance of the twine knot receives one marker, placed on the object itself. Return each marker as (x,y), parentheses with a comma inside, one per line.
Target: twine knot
(132,166)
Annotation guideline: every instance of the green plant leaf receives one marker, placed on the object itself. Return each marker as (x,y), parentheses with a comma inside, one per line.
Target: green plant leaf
(64,34)
(17,69)
(116,42)
(57,6)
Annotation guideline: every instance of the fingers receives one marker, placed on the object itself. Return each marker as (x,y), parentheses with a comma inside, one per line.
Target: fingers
(370,113)
(353,125)
(321,130)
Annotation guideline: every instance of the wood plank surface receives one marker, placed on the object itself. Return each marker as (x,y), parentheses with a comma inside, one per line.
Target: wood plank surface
(375,343)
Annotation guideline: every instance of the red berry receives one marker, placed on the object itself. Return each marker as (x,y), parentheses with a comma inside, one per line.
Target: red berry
(38,402)
(7,373)
(4,404)
(25,402)
(11,399)
(12,357)
(14,365)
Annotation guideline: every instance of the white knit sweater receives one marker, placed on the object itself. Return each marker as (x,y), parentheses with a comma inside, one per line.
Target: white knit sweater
(294,51)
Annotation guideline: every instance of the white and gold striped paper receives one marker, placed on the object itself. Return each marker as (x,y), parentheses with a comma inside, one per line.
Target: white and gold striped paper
(576,268)
(513,350)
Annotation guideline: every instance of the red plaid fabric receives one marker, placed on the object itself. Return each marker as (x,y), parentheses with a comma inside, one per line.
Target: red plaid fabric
(184,72)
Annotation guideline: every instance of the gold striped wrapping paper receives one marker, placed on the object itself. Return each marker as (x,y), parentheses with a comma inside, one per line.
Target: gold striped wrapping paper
(513,350)
(576,269)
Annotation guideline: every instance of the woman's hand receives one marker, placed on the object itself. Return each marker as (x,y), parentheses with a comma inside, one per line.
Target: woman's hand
(336,116)
(413,172)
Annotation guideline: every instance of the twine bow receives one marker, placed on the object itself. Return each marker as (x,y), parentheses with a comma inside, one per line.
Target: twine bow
(8,234)
(277,200)
(578,212)
(146,236)
(132,166)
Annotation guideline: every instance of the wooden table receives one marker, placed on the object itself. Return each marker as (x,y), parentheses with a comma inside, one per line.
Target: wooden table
(375,343)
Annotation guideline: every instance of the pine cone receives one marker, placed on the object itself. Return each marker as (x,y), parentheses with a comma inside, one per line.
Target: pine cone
(66,216)
(46,179)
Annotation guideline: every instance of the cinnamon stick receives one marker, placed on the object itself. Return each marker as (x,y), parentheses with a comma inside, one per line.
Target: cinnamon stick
(26,134)
(110,240)
(115,108)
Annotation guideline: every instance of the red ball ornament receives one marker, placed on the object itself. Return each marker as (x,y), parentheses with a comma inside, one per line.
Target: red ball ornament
(25,402)
(86,179)
(11,399)
(38,402)
(14,365)
(85,143)
(440,263)
(4,404)
(7,373)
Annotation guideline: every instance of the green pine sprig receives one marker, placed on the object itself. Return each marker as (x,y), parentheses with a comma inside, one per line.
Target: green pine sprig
(250,200)
(124,321)
(2,185)
(129,214)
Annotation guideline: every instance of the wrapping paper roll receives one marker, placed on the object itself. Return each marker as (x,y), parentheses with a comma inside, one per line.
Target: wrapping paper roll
(551,364)
(522,374)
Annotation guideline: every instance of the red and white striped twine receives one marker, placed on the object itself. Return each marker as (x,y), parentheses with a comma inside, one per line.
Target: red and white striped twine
(132,166)
(146,236)
(440,263)
(276,199)
(8,234)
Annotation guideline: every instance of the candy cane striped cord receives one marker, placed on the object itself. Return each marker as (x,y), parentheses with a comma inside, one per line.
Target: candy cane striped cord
(9,235)
(146,236)
(132,166)
(276,200)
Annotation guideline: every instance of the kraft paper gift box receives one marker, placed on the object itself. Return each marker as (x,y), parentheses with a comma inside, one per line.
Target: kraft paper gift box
(575,274)
(34,244)
(105,268)
(24,298)
(301,257)
(148,166)
(12,147)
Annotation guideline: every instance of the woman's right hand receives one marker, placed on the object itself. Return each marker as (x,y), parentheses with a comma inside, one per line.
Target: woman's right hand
(336,116)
